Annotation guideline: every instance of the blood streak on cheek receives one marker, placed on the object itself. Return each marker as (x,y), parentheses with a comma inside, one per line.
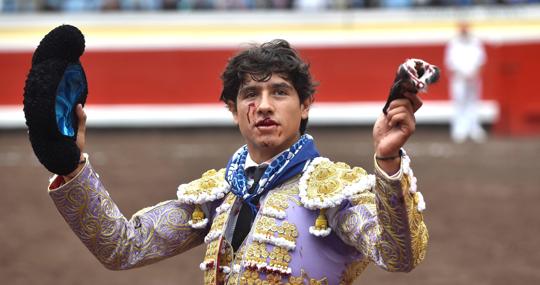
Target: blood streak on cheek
(251,105)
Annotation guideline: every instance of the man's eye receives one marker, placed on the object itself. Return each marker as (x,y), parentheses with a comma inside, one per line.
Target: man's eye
(281,92)
(249,94)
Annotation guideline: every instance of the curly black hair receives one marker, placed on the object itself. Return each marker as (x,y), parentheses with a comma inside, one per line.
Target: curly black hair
(260,62)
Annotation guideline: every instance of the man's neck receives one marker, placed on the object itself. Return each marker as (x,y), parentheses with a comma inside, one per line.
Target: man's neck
(257,160)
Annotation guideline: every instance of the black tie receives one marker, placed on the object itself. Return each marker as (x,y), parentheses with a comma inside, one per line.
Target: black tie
(258,172)
(246,216)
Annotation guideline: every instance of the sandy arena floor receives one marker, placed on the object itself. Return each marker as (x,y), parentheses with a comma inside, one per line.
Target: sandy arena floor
(483,212)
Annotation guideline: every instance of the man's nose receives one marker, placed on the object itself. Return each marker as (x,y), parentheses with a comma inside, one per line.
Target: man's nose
(265,103)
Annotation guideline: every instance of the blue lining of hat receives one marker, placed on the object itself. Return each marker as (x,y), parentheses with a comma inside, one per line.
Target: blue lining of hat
(68,93)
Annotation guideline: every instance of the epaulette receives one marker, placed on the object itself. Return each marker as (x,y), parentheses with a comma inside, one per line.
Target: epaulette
(210,187)
(326,184)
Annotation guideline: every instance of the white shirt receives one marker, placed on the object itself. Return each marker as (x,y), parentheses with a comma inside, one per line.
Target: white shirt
(465,56)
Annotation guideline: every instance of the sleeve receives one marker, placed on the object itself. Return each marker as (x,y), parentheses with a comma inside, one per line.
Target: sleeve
(386,225)
(152,234)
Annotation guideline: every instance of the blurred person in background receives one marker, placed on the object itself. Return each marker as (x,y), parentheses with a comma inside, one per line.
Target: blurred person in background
(311,5)
(278,212)
(464,59)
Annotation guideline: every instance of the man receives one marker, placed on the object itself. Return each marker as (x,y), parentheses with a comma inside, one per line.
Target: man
(464,58)
(278,213)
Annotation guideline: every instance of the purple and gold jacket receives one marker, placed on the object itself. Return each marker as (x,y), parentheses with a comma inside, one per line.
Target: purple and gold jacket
(321,227)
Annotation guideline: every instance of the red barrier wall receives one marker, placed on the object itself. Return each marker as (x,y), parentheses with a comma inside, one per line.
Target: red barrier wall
(345,74)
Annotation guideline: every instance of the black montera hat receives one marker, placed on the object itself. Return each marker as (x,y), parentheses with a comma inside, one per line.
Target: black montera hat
(54,86)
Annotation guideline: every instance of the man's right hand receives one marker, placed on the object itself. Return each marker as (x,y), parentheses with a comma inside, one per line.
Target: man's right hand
(81,141)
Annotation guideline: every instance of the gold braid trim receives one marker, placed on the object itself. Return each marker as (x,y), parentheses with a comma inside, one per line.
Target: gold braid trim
(419,233)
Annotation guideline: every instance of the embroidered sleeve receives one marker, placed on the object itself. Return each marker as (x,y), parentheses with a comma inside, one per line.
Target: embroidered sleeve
(152,234)
(387,225)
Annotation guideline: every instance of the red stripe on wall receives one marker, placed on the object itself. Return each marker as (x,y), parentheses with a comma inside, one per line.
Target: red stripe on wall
(192,76)
(344,73)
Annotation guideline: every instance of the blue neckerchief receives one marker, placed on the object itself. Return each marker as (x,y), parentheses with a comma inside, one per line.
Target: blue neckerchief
(288,164)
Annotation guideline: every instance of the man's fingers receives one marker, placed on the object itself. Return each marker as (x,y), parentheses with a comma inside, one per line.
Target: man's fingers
(401,112)
(81,133)
(404,120)
(398,105)
(416,101)
(81,116)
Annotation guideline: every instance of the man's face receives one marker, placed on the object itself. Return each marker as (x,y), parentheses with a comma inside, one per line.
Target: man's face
(268,115)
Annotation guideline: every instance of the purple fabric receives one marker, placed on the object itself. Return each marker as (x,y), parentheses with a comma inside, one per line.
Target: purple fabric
(150,235)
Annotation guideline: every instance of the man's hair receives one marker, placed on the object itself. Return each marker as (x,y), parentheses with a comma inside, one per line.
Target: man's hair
(260,62)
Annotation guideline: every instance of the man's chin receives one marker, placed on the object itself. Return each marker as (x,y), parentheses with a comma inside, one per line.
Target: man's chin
(267,142)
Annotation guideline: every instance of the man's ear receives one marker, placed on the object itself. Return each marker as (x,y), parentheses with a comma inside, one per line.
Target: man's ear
(232,108)
(305,106)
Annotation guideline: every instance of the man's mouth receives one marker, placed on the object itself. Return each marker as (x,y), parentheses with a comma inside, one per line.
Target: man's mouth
(266,123)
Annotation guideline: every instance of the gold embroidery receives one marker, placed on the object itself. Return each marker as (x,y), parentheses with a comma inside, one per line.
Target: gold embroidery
(229,199)
(267,228)
(224,261)
(237,261)
(323,181)
(250,277)
(276,261)
(290,193)
(211,251)
(219,221)
(232,278)
(265,225)
(304,278)
(209,180)
(326,183)
(277,201)
(210,277)
(256,254)
(272,279)
(353,175)
(280,258)
(419,233)
(295,280)
(219,253)
(118,243)
(287,231)
(352,271)
(364,198)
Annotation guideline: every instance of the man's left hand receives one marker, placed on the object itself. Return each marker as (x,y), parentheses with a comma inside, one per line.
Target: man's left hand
(391,131)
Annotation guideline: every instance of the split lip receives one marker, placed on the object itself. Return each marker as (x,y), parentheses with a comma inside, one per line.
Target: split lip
(265,123)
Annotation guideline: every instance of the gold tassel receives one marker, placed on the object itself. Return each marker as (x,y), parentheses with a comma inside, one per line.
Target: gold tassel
(198,214)
(321,223)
